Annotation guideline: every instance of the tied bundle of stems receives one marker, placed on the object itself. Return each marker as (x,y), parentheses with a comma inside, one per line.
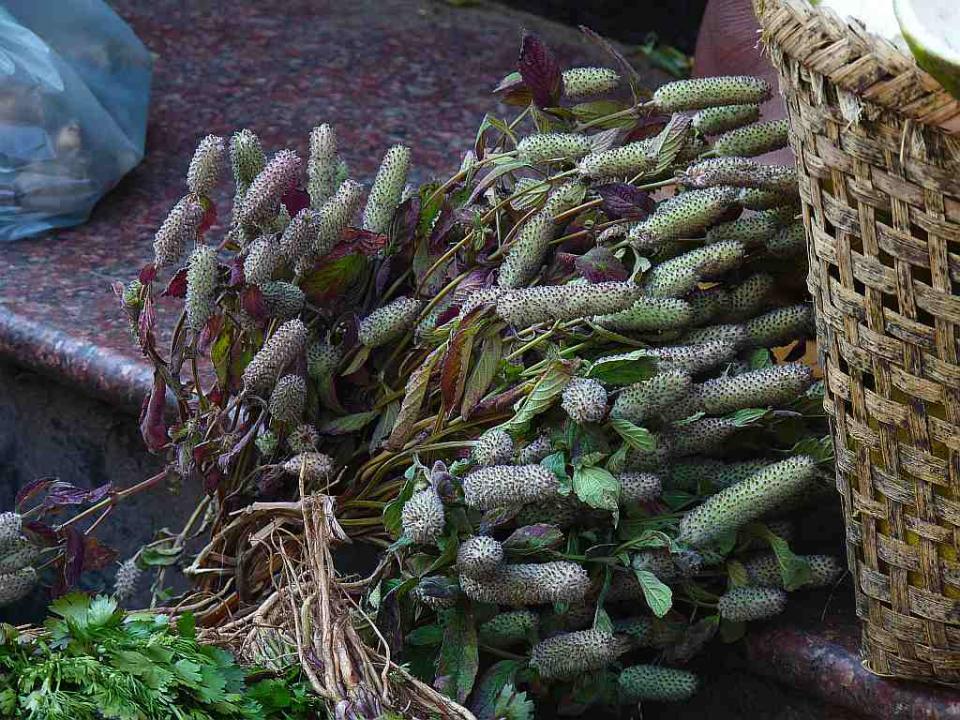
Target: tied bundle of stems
(550,386)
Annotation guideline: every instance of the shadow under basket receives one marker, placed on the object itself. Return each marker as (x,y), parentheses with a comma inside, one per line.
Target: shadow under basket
(877,142)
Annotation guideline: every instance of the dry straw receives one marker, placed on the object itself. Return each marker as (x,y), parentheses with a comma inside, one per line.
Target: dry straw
(879,157)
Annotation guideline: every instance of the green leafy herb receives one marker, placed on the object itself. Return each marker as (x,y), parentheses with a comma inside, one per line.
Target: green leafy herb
(94,661)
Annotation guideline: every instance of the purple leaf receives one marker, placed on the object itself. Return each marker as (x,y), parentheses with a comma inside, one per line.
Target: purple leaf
(236,272)
(355,241)
(385,274)
(153,427)
(62,494)
(513,91)
(446,220)
(96,555)
(647,127)
(600,265)
(565,261)
(404,224)
(211,331)
(32,488)
(447,315)
(209,218)
(540,71)
(177,287)
(74,552)
(622,200)
(476,280)
(212,479)
(251,300)
(295,199)
(40,533)
(148,273)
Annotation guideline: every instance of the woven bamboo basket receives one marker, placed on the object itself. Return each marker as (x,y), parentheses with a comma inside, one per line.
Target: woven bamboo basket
(877,142)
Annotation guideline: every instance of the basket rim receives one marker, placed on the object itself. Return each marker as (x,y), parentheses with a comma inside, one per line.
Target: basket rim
(857,61)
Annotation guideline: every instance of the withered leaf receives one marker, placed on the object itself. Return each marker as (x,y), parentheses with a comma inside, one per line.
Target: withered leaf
(483,372)
(415,391)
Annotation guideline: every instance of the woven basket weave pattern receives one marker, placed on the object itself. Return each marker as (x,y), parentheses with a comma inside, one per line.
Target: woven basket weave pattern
(881,204)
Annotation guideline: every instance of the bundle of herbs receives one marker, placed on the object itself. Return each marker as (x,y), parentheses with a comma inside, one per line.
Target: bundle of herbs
(563,392)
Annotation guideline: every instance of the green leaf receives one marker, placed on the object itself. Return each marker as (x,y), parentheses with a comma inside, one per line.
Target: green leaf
(602,621)
(676,499)
(348,423)
(508,166)
(737,573)
(430,204)
(667,57)
(526,198)
(589,460)
(668,144)
(636,437)
(383,427)
(589,111)
(484,701)
(759,358)
(512,704)
(658,596)
(459,661)
(596,487)
(220,355)
(749,416)
(542,397)
(794,570)
(645,540)
(425,635)
(187,626)
(724,542)
(448,544)
(625,369)
(72,607)
(357,362)
(393,510)
(160,557)
(820,449)
(557,464)
(102,611)
(272,695)
(618,460)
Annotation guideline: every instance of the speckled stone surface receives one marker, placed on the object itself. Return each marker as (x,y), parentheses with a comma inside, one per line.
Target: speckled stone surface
(382,71)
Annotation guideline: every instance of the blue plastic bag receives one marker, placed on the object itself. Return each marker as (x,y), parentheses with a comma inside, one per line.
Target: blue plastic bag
(74,92)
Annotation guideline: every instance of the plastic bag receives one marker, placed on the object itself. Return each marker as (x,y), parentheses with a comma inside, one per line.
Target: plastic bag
(74,91)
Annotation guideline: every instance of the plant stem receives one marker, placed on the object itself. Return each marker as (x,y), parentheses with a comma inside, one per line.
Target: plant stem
(117,497)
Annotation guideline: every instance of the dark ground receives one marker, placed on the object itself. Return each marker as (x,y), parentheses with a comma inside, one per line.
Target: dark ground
(674,21)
